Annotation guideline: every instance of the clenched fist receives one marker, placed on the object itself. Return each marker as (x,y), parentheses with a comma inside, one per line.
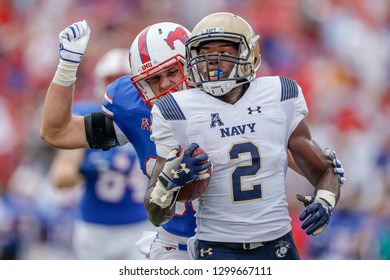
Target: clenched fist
(73,43)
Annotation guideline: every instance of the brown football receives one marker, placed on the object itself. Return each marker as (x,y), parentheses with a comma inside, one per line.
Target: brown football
(196,188)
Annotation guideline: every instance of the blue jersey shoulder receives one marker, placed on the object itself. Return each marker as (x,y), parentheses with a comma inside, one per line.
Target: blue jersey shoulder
(125,106)
(121,95)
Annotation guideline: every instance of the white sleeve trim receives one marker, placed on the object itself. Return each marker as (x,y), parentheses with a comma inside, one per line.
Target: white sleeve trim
(163,150)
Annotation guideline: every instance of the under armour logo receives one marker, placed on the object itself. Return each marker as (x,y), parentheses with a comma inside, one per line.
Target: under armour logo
(251,110)
(180,170)
(209,252)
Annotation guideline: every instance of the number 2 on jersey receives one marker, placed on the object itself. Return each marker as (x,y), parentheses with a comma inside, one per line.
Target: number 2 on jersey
(243,193)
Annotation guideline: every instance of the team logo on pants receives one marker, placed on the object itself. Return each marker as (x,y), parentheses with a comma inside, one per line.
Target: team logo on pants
(282,248)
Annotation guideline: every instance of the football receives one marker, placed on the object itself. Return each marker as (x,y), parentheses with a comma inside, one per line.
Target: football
(196,188)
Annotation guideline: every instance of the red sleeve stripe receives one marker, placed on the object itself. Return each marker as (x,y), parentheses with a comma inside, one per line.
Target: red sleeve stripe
(107,112)
(108,98)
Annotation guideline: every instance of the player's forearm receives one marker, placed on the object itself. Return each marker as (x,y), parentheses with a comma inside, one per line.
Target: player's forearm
(65,169)
(329,181)
(157,215)
(59,128)
(66,178)
(318,169)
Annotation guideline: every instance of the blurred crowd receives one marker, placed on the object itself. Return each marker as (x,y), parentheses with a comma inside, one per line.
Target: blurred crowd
(337,50)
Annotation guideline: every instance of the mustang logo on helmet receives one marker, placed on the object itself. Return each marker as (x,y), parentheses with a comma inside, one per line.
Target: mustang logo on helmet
(178,34)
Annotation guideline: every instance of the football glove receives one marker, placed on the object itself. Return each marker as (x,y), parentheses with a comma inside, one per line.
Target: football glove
(338,167)
(318,211)
(73,42)
(320,208)
(178,171)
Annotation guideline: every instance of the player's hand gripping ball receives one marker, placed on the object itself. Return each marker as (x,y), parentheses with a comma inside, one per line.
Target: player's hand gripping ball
(196,188)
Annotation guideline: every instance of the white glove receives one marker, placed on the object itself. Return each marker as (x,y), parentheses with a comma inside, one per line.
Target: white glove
(73,43)
(337,165)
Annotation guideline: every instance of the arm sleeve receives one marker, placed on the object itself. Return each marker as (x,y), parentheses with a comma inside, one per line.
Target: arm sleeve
(100,131)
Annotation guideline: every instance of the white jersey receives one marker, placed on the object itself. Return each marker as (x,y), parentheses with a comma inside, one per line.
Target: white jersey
(247,144)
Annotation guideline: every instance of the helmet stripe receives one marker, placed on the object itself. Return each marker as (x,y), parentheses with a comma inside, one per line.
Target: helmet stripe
(143,47)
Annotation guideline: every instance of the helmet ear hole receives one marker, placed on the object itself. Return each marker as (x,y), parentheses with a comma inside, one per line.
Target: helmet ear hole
(256,63)
(245,69)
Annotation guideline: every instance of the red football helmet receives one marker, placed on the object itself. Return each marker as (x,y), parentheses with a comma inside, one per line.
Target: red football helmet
(158,48)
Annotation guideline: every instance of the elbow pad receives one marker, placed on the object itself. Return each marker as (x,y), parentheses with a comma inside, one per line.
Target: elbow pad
(100,131)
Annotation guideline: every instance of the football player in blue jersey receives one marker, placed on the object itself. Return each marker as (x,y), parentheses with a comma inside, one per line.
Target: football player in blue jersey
(111,210)
(246,125)
(157,50)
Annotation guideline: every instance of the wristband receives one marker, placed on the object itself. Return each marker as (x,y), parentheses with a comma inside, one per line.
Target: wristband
(161,196)
(327,196)
(66,73)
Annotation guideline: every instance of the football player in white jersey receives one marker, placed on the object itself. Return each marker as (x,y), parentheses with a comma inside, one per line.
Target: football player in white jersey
(246,125)
(149,62)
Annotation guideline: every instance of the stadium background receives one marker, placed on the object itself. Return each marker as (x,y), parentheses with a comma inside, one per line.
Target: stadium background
(337,50)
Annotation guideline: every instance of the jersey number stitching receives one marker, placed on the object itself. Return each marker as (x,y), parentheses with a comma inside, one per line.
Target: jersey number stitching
(251,168)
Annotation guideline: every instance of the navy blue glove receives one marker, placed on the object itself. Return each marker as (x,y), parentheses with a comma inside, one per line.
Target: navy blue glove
(317,213)
(319,209)
(183,169)
(178,171)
